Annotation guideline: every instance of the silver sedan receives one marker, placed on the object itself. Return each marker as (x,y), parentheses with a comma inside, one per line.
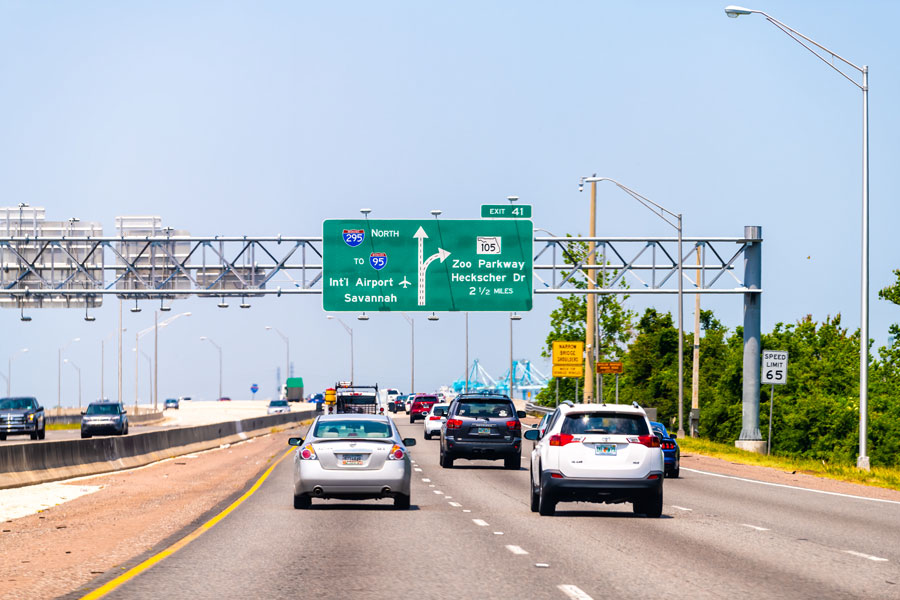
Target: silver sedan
(352,457)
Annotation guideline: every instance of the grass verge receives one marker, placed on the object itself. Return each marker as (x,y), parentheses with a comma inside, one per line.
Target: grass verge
(886,477)
(61,426)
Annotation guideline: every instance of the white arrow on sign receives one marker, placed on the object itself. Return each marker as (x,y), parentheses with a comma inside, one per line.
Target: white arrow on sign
(442,254)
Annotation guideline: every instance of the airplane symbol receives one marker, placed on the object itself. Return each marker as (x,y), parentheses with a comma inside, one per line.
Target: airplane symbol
(405,283)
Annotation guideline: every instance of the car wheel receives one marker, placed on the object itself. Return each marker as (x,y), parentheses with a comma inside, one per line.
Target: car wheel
(34,435)
(535,493)
(427,436)
(125,430)
(546,503)
(43,433)
(650,505)
(446,461)
(401,502)
(2,437)
(302,501)
(677,468)
(85,436)
(513,463)
(411,420)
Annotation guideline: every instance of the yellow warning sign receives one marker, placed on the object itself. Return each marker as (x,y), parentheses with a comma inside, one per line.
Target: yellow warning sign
(568,370)
(568,353)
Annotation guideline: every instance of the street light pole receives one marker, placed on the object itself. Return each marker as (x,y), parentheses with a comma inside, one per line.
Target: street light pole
(350,333)
(674,220)
(9,370)
(59,373)
(412,352)
(862,461)
(287,358)
(219,348)
(512,369)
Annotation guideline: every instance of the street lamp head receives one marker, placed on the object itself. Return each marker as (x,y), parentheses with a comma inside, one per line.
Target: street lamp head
(433,317)
(436,213)
(329,317)
(512,198)
(735,11)
(268,328)
(365,211)
(363,317)
(515,317)
(203,338)
(78,339)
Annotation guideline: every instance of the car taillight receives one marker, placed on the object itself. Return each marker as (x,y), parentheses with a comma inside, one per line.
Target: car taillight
(454,423)
(651,441)
(513,425)
(434,418)
(396,453)
(561,439)
(667,445)
(307,452)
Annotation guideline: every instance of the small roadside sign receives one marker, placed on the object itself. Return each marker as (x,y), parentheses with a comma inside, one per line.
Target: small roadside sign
(610,367)
(568,370)
(568,353)
(774,367)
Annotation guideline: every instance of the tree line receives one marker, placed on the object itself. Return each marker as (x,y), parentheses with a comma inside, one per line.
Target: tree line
(816,414)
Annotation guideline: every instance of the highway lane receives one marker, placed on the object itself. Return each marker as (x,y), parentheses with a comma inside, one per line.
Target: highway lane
(477,538)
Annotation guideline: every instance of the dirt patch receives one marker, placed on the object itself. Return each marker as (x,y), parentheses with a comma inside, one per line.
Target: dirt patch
(62,548)
(792,478)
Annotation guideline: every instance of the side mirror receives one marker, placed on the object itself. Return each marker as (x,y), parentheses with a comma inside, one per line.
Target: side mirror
(295,441)
(409,442)
(521,414)
(82,413)
(674,436)
(532,434)
(124,412)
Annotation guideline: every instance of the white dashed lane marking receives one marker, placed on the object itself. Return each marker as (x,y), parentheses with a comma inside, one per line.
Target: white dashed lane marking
(480,523)
(867,556)
(426,480)
(574,592)
(682,508)
(438,492)
(516,550)
(455,504)
(755,527)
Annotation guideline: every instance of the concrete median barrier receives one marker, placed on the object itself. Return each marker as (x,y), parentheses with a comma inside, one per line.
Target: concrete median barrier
(28,464)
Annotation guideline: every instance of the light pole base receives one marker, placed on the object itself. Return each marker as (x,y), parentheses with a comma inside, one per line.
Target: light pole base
(862,463)
(757,446)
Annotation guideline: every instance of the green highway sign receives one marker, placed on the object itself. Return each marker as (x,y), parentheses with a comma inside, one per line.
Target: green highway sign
(505,211)
(427,265)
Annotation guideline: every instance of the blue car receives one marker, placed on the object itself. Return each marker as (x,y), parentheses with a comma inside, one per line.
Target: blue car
(671,451)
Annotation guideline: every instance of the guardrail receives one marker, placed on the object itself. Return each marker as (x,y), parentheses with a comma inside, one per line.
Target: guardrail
(27,464)
(537,408)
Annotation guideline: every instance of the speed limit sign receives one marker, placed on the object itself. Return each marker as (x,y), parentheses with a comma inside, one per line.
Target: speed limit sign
(774,367)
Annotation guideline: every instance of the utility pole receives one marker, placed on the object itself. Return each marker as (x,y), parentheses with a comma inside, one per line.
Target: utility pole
(591,301)
(695,367)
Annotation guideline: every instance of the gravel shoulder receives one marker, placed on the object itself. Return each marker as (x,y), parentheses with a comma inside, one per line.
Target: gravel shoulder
(61,549)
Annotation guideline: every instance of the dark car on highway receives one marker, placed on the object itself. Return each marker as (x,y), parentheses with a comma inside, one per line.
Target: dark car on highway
(671,451)
(104,418)
(21,416)
(482,427)
(171,403)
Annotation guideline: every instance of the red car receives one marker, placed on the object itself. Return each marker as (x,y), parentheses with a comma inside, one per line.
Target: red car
(224,399)
(420,407)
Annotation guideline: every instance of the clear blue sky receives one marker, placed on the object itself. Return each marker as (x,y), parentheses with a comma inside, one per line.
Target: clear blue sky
(268,117)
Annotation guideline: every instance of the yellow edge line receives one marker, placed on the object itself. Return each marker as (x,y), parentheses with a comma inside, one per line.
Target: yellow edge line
(150,562)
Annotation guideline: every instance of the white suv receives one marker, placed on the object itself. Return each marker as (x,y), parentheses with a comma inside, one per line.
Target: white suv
(597,453)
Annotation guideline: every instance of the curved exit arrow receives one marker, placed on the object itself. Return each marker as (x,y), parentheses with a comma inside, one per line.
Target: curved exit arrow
(441,254)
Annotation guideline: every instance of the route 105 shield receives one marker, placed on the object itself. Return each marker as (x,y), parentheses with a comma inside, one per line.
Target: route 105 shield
(378,260)
(354,237)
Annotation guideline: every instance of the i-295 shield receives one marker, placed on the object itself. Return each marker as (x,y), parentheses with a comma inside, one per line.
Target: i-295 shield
(378,260)
(353,237)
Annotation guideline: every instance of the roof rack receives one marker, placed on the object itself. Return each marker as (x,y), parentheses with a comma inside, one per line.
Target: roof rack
(568,403)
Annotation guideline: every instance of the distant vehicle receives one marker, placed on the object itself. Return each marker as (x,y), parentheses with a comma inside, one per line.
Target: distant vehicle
(597,453)
(278,406)
(294,389)
(224,399)
(421,404)
(20,416)
(387,397)
(104,418)
(482,427)
(407,403)
(184,398)
(317,398)
(435,419)
(352,457)
(671,451)
(171,403)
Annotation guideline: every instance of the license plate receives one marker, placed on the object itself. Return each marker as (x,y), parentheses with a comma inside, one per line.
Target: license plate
(484,431)
(352,459)
(605,449)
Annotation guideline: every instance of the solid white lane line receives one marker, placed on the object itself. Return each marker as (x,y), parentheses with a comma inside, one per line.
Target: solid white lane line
(868,556)
(454,504)
(516,550)
(574,592)
(754,527)
(480,523)
(791,487)
(682,508)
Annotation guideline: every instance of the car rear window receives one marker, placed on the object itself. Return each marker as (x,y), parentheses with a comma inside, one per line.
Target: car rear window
(485,408)
(355,428)
(361,399)
(425,399)
(278,403)
(605,423)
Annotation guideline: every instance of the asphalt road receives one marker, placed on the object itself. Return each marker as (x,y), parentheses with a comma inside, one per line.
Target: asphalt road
(470,534)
